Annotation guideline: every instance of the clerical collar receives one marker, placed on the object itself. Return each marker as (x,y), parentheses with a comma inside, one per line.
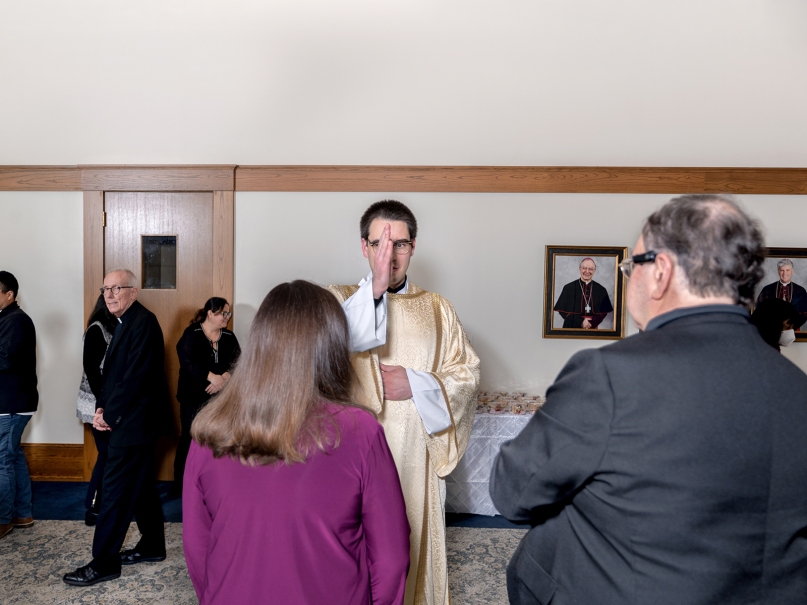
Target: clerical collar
(665,318)
(784,284)
(400,287)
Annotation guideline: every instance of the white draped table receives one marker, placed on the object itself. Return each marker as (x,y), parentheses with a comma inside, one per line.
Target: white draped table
(467,485)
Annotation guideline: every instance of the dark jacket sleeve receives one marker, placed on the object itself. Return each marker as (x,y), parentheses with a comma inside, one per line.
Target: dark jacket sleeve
(190,360)
(235,355)
(145,352)
(94,350)
(561,447)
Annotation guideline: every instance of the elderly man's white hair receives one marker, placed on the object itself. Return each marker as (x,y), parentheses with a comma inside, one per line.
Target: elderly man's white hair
(131,278)
(783,262)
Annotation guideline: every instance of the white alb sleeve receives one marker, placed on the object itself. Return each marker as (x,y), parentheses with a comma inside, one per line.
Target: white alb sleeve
(366,320)
(429,401)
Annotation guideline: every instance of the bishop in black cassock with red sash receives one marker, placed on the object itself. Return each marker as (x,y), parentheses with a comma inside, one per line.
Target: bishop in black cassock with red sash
(786,290)
(584,303)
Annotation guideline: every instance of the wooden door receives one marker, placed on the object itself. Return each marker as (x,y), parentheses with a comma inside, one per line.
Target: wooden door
(133,222)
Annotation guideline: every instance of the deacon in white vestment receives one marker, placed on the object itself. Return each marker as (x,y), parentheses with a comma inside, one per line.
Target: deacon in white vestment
(420,374)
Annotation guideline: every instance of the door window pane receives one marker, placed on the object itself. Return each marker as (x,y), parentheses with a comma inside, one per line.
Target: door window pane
(159,262)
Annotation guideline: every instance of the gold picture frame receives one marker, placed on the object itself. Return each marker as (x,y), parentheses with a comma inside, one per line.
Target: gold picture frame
(575,309)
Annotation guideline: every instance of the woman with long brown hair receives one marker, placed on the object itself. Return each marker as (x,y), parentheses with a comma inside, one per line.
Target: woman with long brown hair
(291,494)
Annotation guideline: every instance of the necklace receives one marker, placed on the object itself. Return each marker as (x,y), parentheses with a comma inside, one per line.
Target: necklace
(214,344)
(586,299)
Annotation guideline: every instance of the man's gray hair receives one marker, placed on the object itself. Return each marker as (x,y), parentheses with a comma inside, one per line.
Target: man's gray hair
(783,262)
(718,246)
(131,278)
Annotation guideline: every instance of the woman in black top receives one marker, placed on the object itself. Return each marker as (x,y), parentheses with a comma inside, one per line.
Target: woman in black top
(100,328)
(207,353)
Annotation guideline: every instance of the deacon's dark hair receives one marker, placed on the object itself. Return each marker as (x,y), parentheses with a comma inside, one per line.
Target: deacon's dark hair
(719,247)
(388,210)
(769,318)
(297,360)
(215,304)
(9,283)
(101,314)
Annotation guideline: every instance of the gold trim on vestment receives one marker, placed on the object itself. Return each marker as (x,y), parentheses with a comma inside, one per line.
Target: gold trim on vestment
(438,324)
(374,369)
(420,590)
(415,294)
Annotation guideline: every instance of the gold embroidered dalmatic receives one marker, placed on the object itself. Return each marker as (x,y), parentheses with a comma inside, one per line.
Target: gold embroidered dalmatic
(424,334)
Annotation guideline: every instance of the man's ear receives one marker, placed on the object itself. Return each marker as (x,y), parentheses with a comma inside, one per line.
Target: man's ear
(364,249)
(412,251)
(663,270)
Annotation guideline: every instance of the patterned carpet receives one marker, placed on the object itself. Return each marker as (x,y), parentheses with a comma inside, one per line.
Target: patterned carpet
(34,560)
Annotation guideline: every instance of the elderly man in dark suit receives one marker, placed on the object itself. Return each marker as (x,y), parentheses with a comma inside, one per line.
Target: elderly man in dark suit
(668,467)
(133,406)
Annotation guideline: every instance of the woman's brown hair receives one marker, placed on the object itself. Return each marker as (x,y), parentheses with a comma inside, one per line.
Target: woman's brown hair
(296,361)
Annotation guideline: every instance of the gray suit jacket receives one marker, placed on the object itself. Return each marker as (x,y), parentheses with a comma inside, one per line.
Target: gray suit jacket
(670,467)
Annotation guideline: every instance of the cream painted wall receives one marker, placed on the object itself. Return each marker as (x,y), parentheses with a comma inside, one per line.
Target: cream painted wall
(539,82)
(41,244)
(483,252)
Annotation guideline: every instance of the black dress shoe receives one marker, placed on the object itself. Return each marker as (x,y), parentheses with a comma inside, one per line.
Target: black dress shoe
(132,556)
(87,576)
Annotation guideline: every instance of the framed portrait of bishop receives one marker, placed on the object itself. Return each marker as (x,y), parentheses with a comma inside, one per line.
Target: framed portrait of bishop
(786,278)
(584,292)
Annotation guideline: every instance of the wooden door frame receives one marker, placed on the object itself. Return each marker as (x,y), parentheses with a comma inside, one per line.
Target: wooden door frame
(96,180)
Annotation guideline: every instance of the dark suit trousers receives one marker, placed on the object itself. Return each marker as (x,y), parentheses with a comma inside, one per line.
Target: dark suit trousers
(128,490)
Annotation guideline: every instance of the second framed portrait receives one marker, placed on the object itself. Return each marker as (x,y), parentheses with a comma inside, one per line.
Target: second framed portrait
(786,279)
(584,292)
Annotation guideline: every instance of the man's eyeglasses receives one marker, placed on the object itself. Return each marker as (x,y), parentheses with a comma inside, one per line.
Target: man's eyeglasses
(627,265)
(114,289)
(224,314)
(401,246)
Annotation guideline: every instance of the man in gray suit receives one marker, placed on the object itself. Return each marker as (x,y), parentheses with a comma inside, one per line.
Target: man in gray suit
(668,467)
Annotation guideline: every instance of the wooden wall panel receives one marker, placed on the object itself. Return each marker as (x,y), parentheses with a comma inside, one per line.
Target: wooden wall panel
(55,461)
(157,178)
(40,178)
(93,248)
(93,280)
(224,245)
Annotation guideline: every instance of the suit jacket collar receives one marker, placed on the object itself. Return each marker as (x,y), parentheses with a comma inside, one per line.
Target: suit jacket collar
(12,307)
(665,318)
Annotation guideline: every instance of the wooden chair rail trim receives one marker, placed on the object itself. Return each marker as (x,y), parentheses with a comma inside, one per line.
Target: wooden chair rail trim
(40,178)
(460,179)
(158,178)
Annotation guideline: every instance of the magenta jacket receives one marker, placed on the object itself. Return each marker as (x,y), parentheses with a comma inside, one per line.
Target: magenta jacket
(330,530)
